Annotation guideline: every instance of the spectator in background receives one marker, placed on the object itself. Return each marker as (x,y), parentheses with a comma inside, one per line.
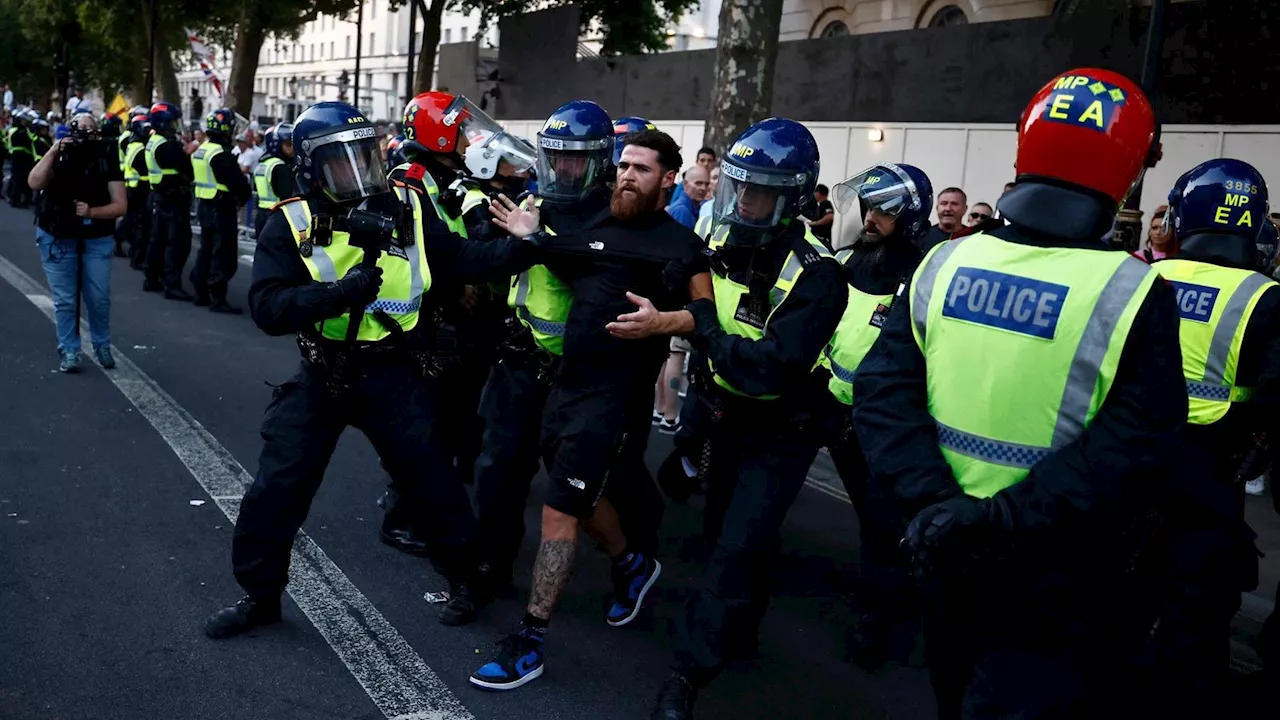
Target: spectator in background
(248,160)
(980,213)
(1160,242)
(820,215)
(981,219)
(707,205)
(684,209)
(706,160)
(78,104)
(8,97)
(951,207)
(1007,187)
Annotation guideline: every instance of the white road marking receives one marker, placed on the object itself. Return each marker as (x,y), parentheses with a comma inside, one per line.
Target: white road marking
(827,489)
(400,684)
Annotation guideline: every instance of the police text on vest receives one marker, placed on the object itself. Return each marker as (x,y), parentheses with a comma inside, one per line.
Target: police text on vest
(1195,302)
(1009,302)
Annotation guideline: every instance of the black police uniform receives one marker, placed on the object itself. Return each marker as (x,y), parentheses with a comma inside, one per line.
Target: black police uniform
(170,221)
(139,213)
(761,449)
(1067,626)
(219,255)
(386,397)
(20,164)
(283,184)
(1212,557)
(886,593)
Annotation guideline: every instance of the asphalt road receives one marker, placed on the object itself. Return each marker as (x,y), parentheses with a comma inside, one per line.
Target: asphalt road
(116,490)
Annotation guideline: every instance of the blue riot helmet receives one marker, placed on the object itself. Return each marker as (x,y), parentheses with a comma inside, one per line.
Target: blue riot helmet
(902,192)
(1269,247)
(336,154)
(139,125)
(575,151)
(164,118)
(278,140)
(1217,209)
(625,126)
(220,125)
(766,178)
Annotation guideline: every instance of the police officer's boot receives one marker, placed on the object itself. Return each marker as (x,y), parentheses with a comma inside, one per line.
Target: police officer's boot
(220,305)
(242,617)
(462,605)
(676,700)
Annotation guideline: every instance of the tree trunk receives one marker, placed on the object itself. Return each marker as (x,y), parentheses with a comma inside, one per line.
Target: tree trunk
(746,52)
(166,77)
(250,35)
(424,76)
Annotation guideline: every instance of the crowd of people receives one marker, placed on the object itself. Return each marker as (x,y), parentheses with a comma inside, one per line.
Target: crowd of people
(1045,437)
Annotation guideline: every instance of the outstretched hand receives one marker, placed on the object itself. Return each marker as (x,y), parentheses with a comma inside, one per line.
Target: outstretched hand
(520,220)
(645,322)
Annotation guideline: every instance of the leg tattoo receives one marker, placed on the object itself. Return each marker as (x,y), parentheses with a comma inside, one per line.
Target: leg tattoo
(551,572)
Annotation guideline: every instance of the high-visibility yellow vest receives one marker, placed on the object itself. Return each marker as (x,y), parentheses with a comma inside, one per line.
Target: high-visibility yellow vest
(1215,304)
(858,330)
(703,227)
(122,145)
(262,182)
(207,186)
(1021,346)
(729,296)
(542,302)
(155,173)
(404,279)
(131,177)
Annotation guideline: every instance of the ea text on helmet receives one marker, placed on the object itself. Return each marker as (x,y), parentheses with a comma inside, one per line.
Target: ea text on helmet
(1222,215)
(1083,101)
(1009,302)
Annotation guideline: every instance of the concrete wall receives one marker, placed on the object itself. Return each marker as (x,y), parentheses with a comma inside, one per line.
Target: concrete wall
(979,157)
(1214,57)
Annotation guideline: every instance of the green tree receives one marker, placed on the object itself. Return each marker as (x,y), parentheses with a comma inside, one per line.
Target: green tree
(629,27)
(746,52)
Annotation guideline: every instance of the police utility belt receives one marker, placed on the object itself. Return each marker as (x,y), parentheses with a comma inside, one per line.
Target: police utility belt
(520,350)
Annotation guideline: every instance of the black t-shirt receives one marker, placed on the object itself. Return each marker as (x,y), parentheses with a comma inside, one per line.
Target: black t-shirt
(817,212)
(653,256)
(80,174)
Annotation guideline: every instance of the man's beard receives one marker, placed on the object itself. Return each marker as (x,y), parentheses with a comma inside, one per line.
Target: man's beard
(870,244)
(630,205)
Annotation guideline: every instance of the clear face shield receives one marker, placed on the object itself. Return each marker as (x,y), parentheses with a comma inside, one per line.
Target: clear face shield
(568,169)
(349,165)
(884,188)
(500,154)
(755,199)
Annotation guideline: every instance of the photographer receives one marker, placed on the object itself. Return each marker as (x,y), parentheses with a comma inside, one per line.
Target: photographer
(83,194)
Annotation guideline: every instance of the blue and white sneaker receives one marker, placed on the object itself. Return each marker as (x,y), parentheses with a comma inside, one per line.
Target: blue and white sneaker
(630,584)
(518,661)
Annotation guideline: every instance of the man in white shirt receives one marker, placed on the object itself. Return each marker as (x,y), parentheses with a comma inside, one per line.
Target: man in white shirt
(8,97)
(78,103)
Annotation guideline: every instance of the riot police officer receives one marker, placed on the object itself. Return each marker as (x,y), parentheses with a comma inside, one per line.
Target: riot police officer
(1230,338)
(1021,396)
(109,129)
(137,181)
(22,157)
(221,188)
(779,295)
(893,202)
(272,179)
(625,126)
(346,268)
(170,173)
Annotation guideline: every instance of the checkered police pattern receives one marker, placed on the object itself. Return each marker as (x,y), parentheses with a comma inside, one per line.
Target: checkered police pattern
(545,327)
(395,307)
(992,451)
(1205,391)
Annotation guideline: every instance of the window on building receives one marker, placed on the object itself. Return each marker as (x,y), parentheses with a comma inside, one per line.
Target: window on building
(462,34)
(331,55)
(834,29)
(448,35)
(949,16)
(372,43)
(395,85)
(348,51)
(417,40)
(313,51)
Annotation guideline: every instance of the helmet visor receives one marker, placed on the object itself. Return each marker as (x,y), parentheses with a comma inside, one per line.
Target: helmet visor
(486,160)
(755,198)
(350,170)
(885,188)
(566,173)
(474,125)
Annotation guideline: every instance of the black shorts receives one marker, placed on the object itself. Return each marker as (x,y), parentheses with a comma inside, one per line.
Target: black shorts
(583,431)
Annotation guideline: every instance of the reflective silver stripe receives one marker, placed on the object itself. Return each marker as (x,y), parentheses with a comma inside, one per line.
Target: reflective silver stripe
(844,255)
(542,325)
(414,251)
(841,372)
(996,452)
(1086,365)
(1215,369)
(522,289)
(324,264)
(298,216)
(791,269)
(922,293)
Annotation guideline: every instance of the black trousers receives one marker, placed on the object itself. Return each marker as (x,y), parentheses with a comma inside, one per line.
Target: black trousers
(170,238)
(1035,640)
(217,259)
(19,167)
(887,591)
(138,218)
(393,406)
(764,458)
(260,216)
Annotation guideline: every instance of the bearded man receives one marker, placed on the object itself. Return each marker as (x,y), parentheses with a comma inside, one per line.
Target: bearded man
(597,413)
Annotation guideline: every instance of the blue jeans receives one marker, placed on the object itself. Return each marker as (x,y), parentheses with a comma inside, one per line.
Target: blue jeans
(59,257)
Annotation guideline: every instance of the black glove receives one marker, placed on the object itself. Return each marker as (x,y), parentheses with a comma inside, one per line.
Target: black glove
(960,527)
(359,286)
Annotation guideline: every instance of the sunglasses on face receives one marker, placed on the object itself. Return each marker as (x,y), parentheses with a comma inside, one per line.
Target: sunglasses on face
(978,215)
